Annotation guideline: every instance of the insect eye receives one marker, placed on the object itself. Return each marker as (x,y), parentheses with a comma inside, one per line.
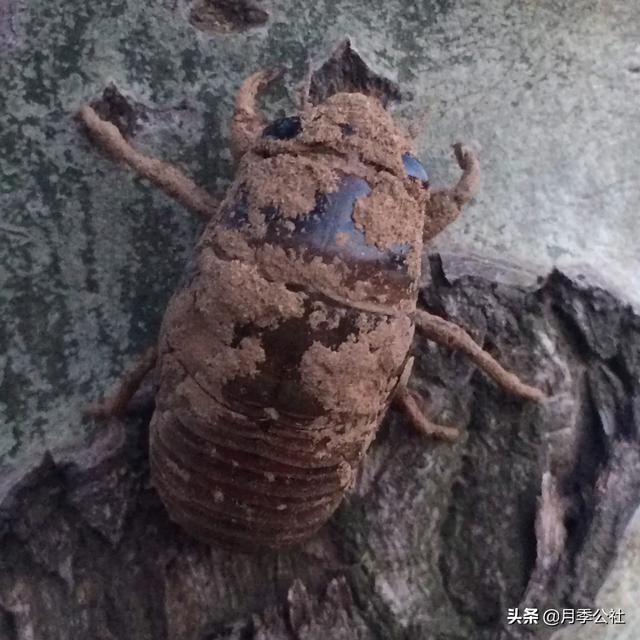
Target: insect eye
(414,168)
(283,128)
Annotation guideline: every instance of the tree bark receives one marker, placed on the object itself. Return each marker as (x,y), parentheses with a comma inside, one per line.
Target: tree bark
(436,540)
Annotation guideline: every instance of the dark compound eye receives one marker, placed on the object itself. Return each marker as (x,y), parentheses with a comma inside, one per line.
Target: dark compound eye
(347,129)
(414,168)
(283,129)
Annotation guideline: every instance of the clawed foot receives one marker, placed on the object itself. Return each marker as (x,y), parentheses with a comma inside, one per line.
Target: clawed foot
(409,403)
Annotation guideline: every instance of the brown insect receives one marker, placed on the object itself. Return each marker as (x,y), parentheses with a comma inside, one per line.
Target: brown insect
(280,355)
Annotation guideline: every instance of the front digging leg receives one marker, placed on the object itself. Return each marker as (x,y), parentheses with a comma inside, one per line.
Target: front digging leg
(444,204)
(248,122)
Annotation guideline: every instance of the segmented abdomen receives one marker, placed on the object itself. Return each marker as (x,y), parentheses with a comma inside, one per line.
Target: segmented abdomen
(263,459)
(228,481)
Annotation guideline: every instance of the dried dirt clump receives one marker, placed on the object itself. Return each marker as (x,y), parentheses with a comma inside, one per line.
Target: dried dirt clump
(290,183)
(358,375)
(202,318)
(353,122)
(390,217)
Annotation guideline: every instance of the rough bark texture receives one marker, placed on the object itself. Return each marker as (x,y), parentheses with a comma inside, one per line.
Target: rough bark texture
(345,70)
(436,541)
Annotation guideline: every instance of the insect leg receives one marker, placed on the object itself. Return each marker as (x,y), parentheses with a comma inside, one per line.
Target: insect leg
(162,174)
(451,335)
(247,123)
(116,403)
(409,403)
(444,204)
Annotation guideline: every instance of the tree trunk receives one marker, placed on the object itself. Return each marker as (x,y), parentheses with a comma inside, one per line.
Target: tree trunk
(435,541)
